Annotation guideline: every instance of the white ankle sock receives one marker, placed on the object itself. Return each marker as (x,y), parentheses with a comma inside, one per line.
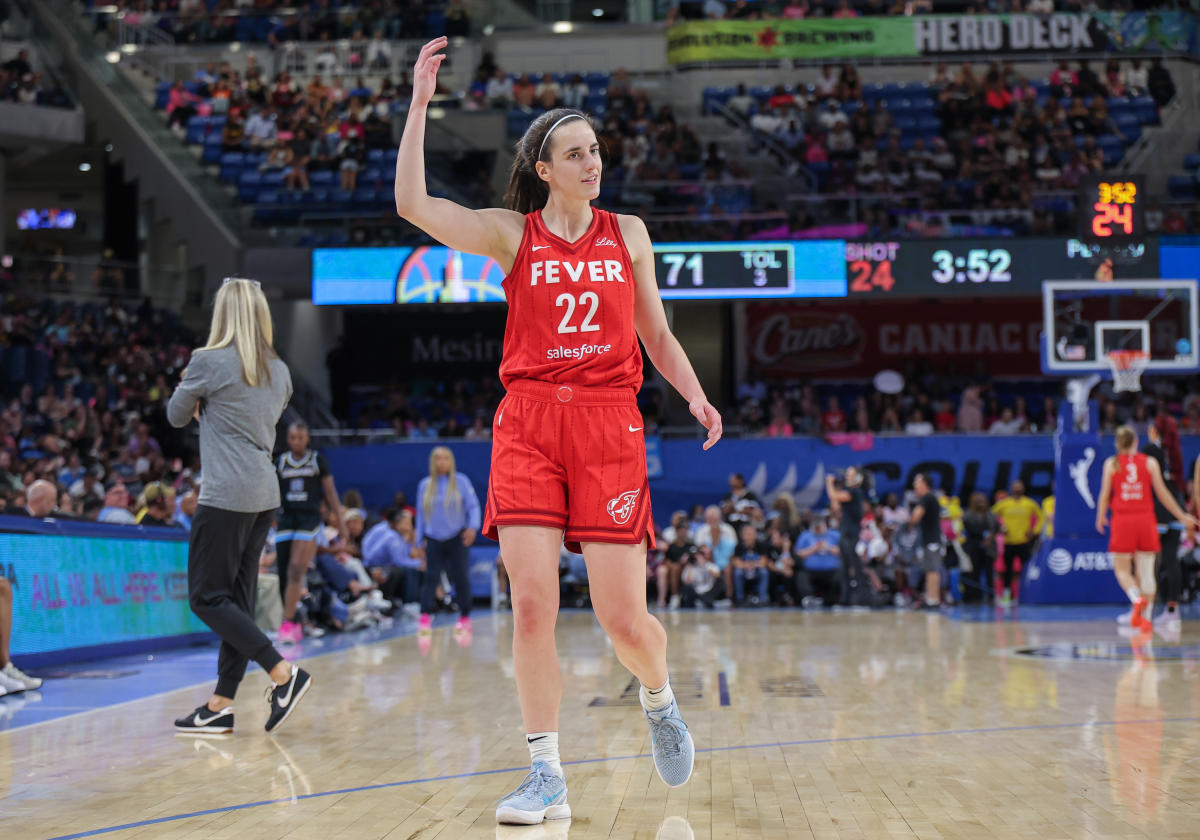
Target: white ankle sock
(654,699)
(1134,593)
(543,746)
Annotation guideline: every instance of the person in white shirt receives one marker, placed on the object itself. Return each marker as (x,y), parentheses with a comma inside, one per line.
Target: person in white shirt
(379,53)
(499,89)
(832,116)
(741,102)
(827,83)
(918,425)
(1006,424)
(260,129)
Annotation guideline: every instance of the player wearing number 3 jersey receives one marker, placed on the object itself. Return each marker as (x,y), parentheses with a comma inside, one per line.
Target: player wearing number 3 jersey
(1129,479)
(568,455)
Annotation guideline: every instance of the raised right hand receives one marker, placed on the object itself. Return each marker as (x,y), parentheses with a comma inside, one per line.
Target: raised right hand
(425,71)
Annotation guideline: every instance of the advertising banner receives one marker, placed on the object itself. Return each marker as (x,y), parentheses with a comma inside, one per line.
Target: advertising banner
(84,591)
(853,341)
(931,36)
(750,40)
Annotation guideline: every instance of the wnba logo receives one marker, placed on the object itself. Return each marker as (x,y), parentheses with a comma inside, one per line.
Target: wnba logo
(1060,561)
(621,508)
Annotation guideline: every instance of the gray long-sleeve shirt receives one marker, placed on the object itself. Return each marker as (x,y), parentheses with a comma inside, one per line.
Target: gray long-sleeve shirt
(237,428)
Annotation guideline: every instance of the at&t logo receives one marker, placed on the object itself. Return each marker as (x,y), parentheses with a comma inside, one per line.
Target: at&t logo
(1060,561)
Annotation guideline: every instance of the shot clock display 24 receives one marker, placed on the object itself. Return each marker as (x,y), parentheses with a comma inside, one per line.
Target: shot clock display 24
(1110,208)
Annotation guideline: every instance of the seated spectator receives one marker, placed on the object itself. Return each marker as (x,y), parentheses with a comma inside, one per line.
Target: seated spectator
(721,540)
(701,579)
(1135,78)
(500,89)
(918,425)
(260,128)
(575,93)
(160,507)
(750,567)
(116,506)
(826,86)
(1007,424)
(523,93)
(549,93)
(41,499)
(379,53)
(352,153)
(795,10)
(741,103)
(296,172)
(844,10)
(680,549)
(816,551)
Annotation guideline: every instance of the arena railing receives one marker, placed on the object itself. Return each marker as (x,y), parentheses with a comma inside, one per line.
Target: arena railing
(93,279)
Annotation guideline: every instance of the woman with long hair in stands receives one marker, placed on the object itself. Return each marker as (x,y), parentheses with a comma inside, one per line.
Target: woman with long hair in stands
(568,454)
(236,387)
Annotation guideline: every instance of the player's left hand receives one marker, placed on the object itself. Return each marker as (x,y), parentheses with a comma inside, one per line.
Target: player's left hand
(468,537)
(1100,523)
(709,418)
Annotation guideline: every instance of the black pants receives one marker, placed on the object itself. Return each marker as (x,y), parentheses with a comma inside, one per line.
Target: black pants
(1170,570)
(853,577)
(223,554)
(449,556)
(1012,555)
(978,583)
(400,584)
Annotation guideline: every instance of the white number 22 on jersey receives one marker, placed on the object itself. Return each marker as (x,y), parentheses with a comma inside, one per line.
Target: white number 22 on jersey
(568,300)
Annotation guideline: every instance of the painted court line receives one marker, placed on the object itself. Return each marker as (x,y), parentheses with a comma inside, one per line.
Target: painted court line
(772,745)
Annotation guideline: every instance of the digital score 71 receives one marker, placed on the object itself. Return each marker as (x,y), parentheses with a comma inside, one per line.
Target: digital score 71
(1111,208)
(731,270)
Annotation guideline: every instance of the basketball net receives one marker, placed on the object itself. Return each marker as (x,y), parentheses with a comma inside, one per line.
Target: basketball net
(1127,367)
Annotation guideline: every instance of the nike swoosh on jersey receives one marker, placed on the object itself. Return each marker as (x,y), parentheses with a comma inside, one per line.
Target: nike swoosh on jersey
(540,247)
(634,428)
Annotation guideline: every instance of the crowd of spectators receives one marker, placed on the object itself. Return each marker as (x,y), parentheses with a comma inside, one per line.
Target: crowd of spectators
(86,415)
(18,82)
(840,9)
(277,23)
(971,138)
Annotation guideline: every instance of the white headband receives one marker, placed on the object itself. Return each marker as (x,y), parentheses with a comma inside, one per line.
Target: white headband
(560,121)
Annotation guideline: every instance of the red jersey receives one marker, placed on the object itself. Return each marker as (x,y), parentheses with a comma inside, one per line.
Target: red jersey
(570,308)
(1132,492)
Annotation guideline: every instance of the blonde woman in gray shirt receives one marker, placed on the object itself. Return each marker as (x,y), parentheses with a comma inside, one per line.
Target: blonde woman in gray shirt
(236,387)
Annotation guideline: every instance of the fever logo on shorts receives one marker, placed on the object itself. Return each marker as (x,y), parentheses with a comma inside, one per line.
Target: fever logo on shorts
(621,508)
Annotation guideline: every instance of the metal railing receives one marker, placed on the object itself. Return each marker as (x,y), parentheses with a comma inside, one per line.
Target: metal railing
(92,279)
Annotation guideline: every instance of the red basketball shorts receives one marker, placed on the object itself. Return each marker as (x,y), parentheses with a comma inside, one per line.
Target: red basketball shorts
(1133,533)
(573,458)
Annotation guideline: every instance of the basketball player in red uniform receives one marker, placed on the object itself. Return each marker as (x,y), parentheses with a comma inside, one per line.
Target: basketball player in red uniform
(1129,477)
(568,454)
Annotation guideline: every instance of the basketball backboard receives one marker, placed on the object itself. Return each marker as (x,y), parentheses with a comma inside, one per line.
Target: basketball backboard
(1086,319)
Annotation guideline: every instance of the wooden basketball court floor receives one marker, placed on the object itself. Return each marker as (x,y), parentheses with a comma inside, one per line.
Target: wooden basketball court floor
(1047,724)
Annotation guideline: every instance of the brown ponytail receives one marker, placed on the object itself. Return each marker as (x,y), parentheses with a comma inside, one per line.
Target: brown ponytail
(1126,438)
(526,190)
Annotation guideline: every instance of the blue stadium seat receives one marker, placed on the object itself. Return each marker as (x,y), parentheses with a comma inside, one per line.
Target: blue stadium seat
(761,92)
(929,124)
(321,178)
(924,103)
(212,148)
(273,179)
(1182,187)
(196,128)
(339,200)
(1192,161)
(249,184)
(905,123)
(1146,110)
(216,125)
(161,94)
(363,198)
(231,166)
(596,80)
(689,171)
(385,198)
(380,155)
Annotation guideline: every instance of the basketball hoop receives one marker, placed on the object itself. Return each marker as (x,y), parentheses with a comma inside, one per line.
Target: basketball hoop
(1127,367)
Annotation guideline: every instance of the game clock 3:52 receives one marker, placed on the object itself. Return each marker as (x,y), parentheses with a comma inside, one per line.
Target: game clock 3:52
(934,269)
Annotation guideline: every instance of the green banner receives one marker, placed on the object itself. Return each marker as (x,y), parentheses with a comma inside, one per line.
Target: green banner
(751,40)
(1095,33)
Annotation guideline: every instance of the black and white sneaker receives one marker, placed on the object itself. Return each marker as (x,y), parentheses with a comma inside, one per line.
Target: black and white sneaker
(204,721)
(284,698)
